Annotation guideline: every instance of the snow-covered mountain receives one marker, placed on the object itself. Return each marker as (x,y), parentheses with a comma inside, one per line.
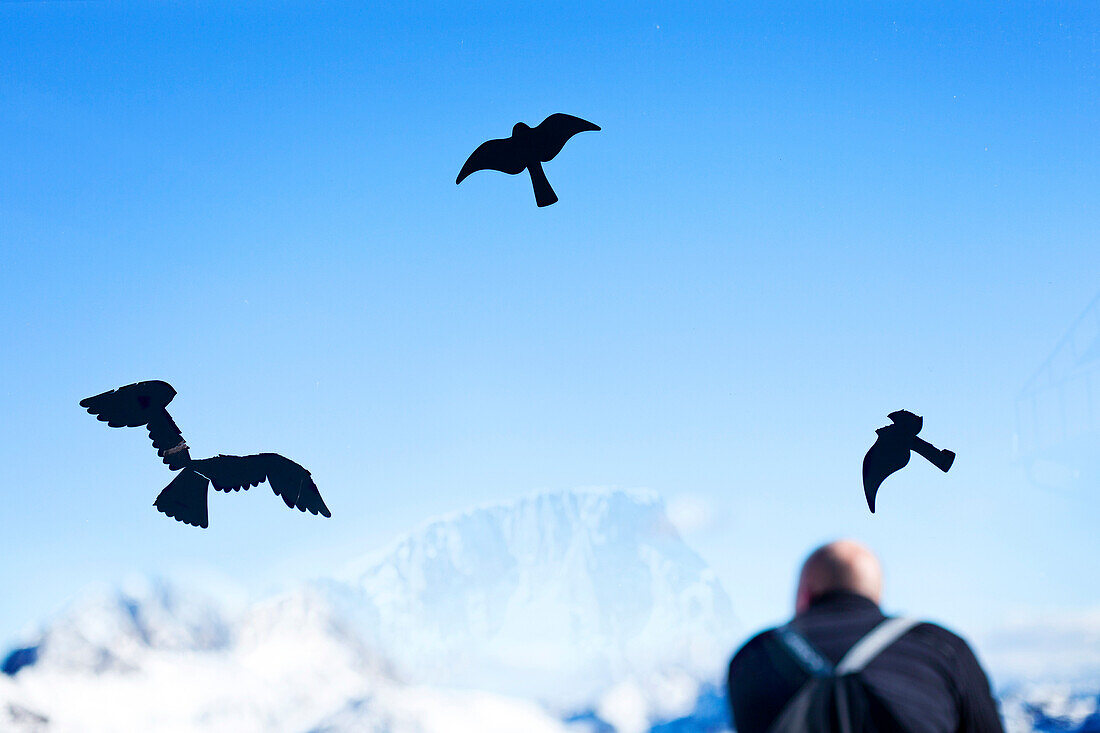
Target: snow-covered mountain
(1051,707)
(150,661)
(553,597)
(112,630)
(581,612)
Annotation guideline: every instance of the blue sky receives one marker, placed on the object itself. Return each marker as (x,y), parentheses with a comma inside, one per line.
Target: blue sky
(796,219)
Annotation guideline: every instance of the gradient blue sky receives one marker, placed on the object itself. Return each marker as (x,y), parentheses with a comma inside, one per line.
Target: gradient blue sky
(797,218)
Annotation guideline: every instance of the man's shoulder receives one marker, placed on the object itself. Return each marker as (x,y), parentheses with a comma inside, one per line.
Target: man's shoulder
(946,641)
(930,630)
(751,649)
(924,633)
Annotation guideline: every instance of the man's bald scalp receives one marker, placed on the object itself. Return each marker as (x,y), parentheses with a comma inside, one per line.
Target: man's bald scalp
(844,565)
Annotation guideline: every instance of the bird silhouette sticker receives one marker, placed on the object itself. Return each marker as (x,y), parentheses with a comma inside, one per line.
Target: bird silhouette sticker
(891,450)
(184,499)
(528,148)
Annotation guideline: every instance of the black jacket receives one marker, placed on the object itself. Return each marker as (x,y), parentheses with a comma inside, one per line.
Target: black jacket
(929,678)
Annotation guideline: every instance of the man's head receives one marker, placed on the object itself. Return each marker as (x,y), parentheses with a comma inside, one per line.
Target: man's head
(842,565)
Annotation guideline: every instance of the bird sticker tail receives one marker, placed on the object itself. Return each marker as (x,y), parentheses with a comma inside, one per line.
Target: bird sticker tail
(185,499)
(544,193)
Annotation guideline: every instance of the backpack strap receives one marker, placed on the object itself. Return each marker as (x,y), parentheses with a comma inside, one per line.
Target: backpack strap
(803,652)
(874,643)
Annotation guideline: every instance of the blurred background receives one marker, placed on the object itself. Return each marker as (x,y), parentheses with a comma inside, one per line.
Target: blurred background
(797,218)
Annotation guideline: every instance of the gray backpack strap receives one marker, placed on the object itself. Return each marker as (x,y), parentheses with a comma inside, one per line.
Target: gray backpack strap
(803,652)
(871,645)
(797,711)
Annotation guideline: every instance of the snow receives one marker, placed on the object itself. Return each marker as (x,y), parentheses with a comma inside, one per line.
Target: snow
(1051,707)
(577,611)
(552,597)
(547,600)
(292,666)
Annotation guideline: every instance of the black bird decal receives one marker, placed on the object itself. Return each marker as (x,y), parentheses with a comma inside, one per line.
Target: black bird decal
(891,450)
(528,148)
(184,499)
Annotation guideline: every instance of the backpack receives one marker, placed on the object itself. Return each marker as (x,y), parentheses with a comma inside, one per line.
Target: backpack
(835,699)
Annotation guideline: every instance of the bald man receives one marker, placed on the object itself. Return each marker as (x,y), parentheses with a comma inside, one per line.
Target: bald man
(923,678)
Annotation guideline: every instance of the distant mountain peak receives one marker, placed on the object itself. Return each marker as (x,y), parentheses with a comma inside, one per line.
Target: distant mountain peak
(551,594)
(109,630)
(584,504)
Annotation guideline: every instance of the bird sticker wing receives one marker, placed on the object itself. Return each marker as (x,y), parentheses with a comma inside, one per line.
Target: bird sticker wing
(887,455)
(288,480)
(294,484)
(498,155)
(128,407)
(553,132)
